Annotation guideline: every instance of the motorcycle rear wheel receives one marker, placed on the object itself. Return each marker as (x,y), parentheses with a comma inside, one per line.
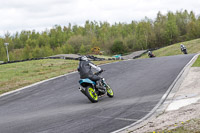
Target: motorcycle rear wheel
(91,94)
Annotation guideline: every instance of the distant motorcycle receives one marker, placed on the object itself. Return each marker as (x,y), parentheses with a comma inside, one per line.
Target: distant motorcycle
(88,88)
(184,50)
(151,55)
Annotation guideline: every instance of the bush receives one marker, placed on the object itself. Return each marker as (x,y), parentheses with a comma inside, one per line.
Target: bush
(118,47)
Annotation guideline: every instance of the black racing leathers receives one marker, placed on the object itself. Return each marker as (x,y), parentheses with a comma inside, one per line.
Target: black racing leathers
(85,70)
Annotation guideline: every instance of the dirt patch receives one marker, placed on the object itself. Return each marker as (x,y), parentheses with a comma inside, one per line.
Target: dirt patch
(170,120)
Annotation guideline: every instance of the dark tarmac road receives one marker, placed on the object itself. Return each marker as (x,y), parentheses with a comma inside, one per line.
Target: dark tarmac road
(57,106)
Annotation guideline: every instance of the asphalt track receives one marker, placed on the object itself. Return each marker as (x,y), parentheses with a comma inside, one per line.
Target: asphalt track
(57,106)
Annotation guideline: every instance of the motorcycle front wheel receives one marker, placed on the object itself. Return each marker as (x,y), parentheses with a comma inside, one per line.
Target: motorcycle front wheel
(91,94)
(109,90)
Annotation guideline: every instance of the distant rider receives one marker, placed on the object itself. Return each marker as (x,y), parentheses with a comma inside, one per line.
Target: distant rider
(183,49)
(150,54)
(85,71)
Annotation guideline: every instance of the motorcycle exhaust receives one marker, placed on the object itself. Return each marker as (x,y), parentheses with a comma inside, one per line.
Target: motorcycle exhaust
(82,90)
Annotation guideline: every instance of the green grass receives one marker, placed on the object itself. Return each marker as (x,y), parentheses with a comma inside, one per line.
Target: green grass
(192,46)
(197,62)
(17,75)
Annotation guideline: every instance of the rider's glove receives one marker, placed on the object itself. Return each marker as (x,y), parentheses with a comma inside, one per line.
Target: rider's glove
(101,71)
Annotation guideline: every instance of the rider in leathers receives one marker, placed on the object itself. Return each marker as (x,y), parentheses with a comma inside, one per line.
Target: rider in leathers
(183,49)
(85,71)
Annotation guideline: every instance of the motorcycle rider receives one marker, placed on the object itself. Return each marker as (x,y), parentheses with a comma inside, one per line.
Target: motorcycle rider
(183,49)
(85,71)
(150,54)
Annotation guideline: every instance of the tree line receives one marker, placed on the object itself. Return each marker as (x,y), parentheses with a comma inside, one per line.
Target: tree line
(116,38)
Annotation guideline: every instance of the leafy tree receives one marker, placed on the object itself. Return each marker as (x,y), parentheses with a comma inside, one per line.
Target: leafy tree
(32,43)
(17,42)
(164,30)
(171,30)
(67,32)
(24,37)
(77,41)
(58,50)
(192,30)
(16,54)
(46,51)
(37,52)
(192,27)
(182,21)
(33,35)
(43,39)
(82,49)
(159,29)
(68,49)
(2,53)
(52,35)
(144,33)
(27,52)
(131,43)
(118,47)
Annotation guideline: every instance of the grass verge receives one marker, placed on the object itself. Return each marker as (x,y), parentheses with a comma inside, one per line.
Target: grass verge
(17,75)
(197,62)
(192,46)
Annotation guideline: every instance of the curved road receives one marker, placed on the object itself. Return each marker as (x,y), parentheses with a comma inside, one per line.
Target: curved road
(57,106)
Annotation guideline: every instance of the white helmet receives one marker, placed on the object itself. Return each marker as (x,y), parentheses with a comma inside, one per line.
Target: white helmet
(84,58)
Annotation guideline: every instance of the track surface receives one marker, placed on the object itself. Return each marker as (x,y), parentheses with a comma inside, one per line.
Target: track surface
(57,106)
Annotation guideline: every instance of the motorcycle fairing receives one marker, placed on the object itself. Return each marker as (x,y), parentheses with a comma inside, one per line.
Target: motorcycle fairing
(87,80)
